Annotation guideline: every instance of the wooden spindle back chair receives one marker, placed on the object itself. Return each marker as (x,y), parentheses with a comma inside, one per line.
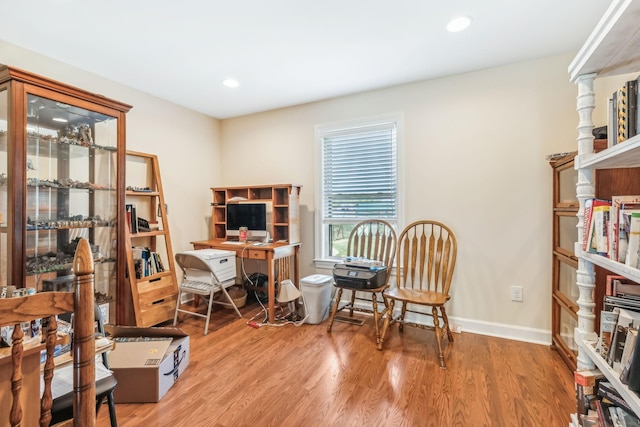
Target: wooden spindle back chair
(374,240)
(425,262)
(46,305)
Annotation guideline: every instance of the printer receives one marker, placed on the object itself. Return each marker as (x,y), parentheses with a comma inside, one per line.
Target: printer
(360,273)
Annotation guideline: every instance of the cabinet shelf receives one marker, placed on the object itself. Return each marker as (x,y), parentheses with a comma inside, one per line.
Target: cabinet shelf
(130,193)
(630,396)
(49,146)
(148,234)
(613,266)
(623,155)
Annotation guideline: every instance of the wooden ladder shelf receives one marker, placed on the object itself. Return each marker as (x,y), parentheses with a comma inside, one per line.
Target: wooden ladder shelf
(153,286)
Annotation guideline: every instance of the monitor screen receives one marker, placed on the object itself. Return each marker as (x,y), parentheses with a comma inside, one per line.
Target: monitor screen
(250,215)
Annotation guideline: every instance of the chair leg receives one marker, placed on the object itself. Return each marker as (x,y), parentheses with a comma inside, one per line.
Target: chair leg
(353,301)
(334,310)
(436,327)
(402,314)
(112,410)
(376,315)
(385,325)
(446,324)
(226,294)
(175,316)
(206,323)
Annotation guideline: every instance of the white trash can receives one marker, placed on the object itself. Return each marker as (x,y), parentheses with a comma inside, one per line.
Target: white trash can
(316,292)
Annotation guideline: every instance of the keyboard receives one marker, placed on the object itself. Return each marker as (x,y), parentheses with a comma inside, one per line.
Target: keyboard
(233,242)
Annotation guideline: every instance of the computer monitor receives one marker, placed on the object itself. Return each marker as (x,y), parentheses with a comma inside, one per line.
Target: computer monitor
(250,215)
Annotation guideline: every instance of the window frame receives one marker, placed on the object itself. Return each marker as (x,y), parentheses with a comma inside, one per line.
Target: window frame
(322,257)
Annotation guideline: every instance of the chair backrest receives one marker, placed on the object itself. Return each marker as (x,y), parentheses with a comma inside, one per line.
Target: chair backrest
(46,305)
(426,257)
(188,261)
(373,239)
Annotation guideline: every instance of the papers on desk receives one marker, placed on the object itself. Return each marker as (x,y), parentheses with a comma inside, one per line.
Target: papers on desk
(62,382)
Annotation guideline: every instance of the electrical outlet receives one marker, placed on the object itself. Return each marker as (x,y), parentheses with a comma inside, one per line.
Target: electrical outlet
(516,293)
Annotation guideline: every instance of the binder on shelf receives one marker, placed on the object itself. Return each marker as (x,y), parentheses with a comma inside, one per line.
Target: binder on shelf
(132,218)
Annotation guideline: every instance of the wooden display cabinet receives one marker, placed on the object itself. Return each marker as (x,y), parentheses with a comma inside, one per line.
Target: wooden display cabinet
(61,178)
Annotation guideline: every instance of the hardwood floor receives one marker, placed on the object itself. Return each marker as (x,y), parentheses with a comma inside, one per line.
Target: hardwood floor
(304,376)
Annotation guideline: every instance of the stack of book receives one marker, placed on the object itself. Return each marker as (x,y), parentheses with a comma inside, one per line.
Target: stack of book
(146,261)
(599,404)
(612,228)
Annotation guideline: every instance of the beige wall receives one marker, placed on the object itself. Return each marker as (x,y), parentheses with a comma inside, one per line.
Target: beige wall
(474,157)
(473,153)
(187,143)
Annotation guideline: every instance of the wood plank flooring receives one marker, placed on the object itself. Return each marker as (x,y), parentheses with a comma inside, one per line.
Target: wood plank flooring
(304,376)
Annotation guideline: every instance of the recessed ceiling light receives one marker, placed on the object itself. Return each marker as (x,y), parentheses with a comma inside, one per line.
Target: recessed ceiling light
(59,119)
(458,24)
(230,82)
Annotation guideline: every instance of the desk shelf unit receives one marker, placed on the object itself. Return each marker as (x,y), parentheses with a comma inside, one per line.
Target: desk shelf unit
(285,204)
(610,50)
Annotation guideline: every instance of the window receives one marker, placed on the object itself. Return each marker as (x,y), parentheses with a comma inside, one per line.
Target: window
(358,179)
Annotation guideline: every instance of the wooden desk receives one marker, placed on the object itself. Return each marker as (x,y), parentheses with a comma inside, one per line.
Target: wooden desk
(269,252)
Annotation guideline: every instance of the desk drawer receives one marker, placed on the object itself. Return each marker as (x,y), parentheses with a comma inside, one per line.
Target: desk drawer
(255,254)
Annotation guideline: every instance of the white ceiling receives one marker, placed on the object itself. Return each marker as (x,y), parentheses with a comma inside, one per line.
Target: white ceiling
(289,52)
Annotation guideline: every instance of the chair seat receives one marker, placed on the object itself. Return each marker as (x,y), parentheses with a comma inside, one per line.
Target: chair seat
(418,296)
(195,286)
(103,386)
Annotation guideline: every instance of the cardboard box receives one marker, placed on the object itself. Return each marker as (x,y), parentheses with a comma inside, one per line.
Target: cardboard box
(147,361)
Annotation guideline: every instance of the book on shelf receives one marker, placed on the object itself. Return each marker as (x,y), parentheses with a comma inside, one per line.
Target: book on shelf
(608,322)
(143,225)
(599,238)
(132,218)
(147,262)
(617,346)
(604,415)
(633,243)
(613,118)
(629,344)
(628,301)
(588,207)
(586,382)
(609,392)
(595,234)
(614,224)
(624,229)
(610,129)
(631,88)
(622,287)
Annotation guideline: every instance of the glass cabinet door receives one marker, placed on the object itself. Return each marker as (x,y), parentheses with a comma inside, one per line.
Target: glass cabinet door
(71,193)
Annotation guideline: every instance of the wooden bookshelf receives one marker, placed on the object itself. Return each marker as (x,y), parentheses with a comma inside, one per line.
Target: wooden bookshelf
(153,297)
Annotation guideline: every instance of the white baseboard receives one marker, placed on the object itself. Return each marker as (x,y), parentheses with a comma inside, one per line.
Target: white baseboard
(499,330)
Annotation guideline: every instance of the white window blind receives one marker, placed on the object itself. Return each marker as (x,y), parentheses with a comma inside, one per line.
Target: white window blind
(360,174)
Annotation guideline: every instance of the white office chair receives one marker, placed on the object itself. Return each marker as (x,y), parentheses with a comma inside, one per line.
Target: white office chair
(199,278)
